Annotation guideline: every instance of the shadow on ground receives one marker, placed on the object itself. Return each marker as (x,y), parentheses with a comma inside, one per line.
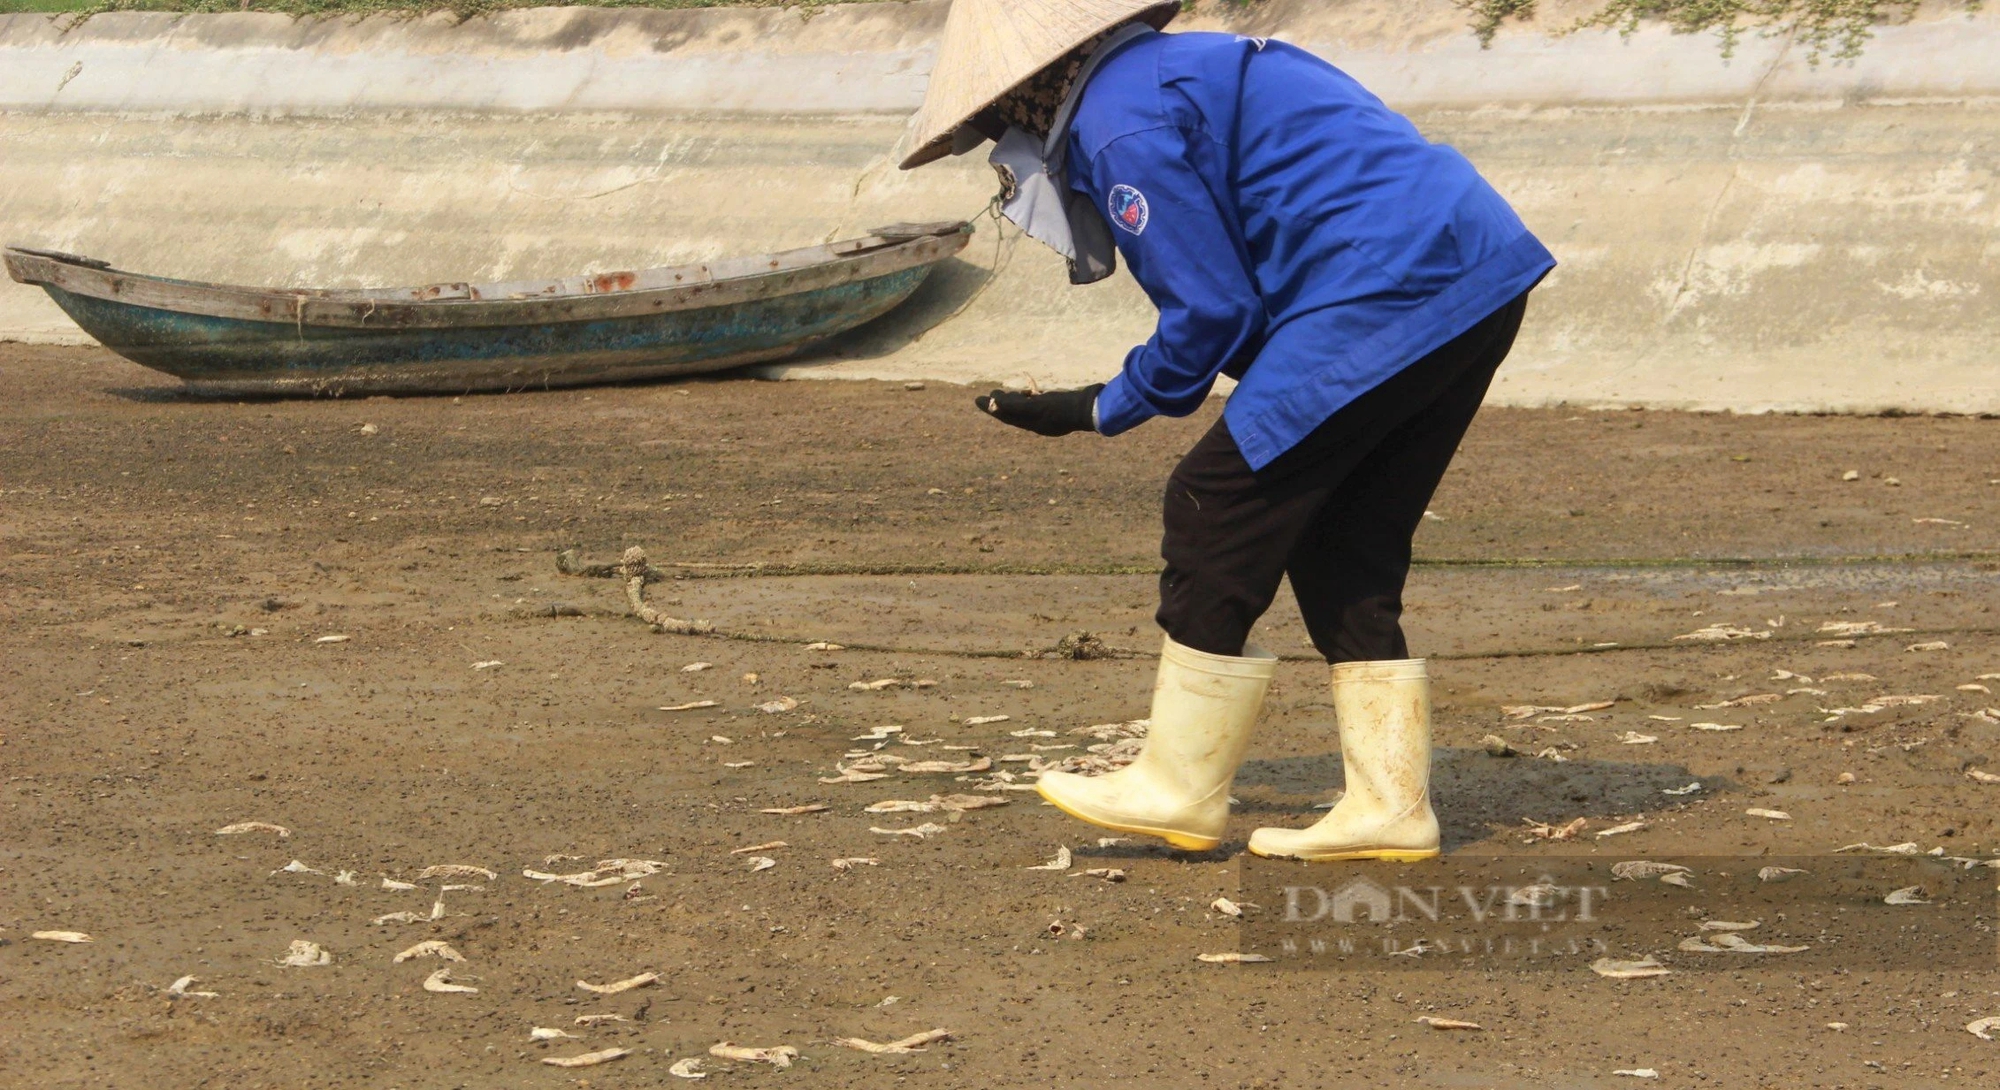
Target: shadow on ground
(1476,794)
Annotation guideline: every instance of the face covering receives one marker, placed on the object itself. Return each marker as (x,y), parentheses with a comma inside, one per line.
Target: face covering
(1033,104)
(1034,184)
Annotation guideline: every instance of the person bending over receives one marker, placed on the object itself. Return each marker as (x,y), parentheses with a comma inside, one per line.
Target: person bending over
(1360,283)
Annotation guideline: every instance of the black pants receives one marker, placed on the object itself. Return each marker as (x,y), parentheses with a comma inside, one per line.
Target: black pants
(1336,512)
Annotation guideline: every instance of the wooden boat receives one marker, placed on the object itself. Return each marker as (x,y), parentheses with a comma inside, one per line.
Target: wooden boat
(455,338)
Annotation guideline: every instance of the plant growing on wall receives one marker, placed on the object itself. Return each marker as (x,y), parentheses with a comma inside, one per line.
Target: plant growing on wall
(1840,26)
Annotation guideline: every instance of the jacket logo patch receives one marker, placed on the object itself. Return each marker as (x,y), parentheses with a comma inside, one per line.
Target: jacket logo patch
(1129,210)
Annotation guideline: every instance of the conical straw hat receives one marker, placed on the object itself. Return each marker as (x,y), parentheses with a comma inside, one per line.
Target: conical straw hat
(991,47)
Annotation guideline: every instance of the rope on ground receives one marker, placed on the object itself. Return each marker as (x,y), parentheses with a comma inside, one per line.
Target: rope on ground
(1078,646)
(1084,646)
(634,568)
(570,562)
(636,573)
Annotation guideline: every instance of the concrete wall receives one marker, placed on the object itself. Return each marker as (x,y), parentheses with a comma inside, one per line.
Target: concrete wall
(1751,234)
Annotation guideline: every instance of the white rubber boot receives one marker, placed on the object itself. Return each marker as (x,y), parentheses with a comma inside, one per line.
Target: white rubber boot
(1204,707)
(1384,710)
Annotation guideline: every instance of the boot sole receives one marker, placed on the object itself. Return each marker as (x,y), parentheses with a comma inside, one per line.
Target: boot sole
(1183,841)
(1386,855)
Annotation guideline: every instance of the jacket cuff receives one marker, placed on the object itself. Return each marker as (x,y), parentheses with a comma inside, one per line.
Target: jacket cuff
(1118,409)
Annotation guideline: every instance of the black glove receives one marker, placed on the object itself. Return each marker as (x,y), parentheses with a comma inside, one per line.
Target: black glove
(1058,412)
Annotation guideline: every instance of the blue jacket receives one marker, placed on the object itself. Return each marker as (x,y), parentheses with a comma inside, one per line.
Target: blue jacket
(1295,233)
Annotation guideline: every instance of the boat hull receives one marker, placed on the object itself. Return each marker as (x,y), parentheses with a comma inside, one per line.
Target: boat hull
(227,340)
(231,357)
